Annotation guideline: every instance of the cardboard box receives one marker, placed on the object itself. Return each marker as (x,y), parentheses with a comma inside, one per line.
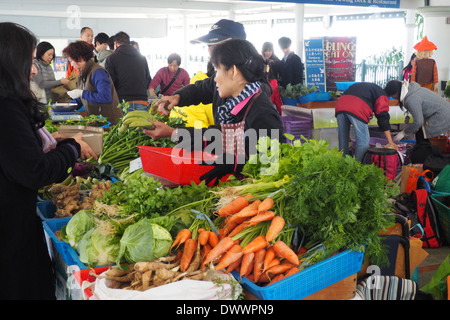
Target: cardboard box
(93,136)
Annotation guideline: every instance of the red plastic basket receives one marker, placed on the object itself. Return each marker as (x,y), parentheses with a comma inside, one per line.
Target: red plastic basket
(175,165)
(86,275)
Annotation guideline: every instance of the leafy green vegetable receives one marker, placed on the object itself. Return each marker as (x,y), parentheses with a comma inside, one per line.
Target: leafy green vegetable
(144,241)
(76,228)
(297,90)
(97,249)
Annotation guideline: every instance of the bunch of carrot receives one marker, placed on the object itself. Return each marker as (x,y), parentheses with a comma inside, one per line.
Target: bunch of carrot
(264,259)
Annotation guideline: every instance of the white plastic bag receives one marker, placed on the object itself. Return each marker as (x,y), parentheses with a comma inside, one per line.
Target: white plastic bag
(227,288)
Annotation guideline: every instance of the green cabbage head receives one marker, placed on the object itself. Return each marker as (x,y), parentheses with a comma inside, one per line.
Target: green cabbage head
(144,241)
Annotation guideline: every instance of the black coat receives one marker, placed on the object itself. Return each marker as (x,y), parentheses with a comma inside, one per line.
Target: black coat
(24,168)
(262,115)
(291,70)
(129,71)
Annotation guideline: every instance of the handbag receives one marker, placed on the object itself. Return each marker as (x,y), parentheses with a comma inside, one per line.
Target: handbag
(171,82)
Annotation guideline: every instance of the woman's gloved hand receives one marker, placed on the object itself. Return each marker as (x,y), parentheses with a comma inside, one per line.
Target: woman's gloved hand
(220,170)
(76,93)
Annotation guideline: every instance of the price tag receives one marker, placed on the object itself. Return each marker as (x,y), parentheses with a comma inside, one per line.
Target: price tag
(135,164)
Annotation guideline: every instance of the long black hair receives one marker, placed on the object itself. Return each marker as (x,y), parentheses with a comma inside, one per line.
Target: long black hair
(409,65)
(243,55)
(17,45)
(42,48)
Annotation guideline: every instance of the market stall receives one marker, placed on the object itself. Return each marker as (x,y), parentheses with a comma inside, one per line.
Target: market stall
(129,235)
(324,121)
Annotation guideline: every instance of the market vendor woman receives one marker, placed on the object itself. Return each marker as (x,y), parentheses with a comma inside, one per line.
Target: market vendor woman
(240,94)
(30,159)
(96,91)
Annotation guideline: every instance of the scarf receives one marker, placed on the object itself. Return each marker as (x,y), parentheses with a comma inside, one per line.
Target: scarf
(224,111)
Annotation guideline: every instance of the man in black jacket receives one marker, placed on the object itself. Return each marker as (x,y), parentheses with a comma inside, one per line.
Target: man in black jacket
(292,66)
(130,73)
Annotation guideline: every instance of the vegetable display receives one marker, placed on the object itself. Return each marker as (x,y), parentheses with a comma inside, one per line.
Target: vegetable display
(120,143)
(297,90)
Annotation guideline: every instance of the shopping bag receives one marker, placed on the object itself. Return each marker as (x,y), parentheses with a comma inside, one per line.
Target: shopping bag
(442,181)
(414,177)
(438,285)
(406,172)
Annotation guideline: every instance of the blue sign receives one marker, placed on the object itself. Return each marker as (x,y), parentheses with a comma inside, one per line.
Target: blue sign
(357,3)
(315,63)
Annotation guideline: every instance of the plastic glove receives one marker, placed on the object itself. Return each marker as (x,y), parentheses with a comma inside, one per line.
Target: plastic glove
(399,136)
(74,94)
(221,170)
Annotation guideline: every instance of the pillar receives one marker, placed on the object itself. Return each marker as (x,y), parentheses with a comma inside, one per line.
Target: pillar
(299,11)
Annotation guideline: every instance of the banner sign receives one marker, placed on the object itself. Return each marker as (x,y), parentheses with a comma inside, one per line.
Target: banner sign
(357,3)
(340,60)
(330,59)
(315,63)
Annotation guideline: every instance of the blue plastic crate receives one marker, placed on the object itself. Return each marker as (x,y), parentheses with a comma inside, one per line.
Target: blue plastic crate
(344,85)
(289,101)
(314,96)
(53,226)
(45,209)
(309,280)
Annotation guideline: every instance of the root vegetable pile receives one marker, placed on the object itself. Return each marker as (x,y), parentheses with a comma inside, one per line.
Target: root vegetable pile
(142,276)
(67,198)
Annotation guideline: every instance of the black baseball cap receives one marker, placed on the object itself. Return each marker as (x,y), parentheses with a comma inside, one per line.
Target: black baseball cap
(223,30)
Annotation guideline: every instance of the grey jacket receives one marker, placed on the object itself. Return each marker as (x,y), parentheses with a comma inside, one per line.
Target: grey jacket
(45,78)
(428,110)
(102,55)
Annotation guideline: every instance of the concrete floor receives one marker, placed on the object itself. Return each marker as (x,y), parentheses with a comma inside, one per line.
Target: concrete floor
(428,267)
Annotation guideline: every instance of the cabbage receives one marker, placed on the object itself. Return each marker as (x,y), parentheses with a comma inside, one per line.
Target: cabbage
(97,249)
(144,241)
(76,228)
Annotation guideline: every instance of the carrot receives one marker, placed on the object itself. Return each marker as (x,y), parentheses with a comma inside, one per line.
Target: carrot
(259,263)
(213,239)
(234,265)
(283,251)
(181,237)
(264,278)
(256,244)
(223,246)
(247,260)
(301,251)
(260,217)
(205,250)
(276,225)
(203,237)
(229,227)
(188,252)
(200,230)
(265,205)
(275,279)
(233,207)
(245,213)
(281,268)
(272,263)
(231,256)
(238,229)
(270,255)
(291,271)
